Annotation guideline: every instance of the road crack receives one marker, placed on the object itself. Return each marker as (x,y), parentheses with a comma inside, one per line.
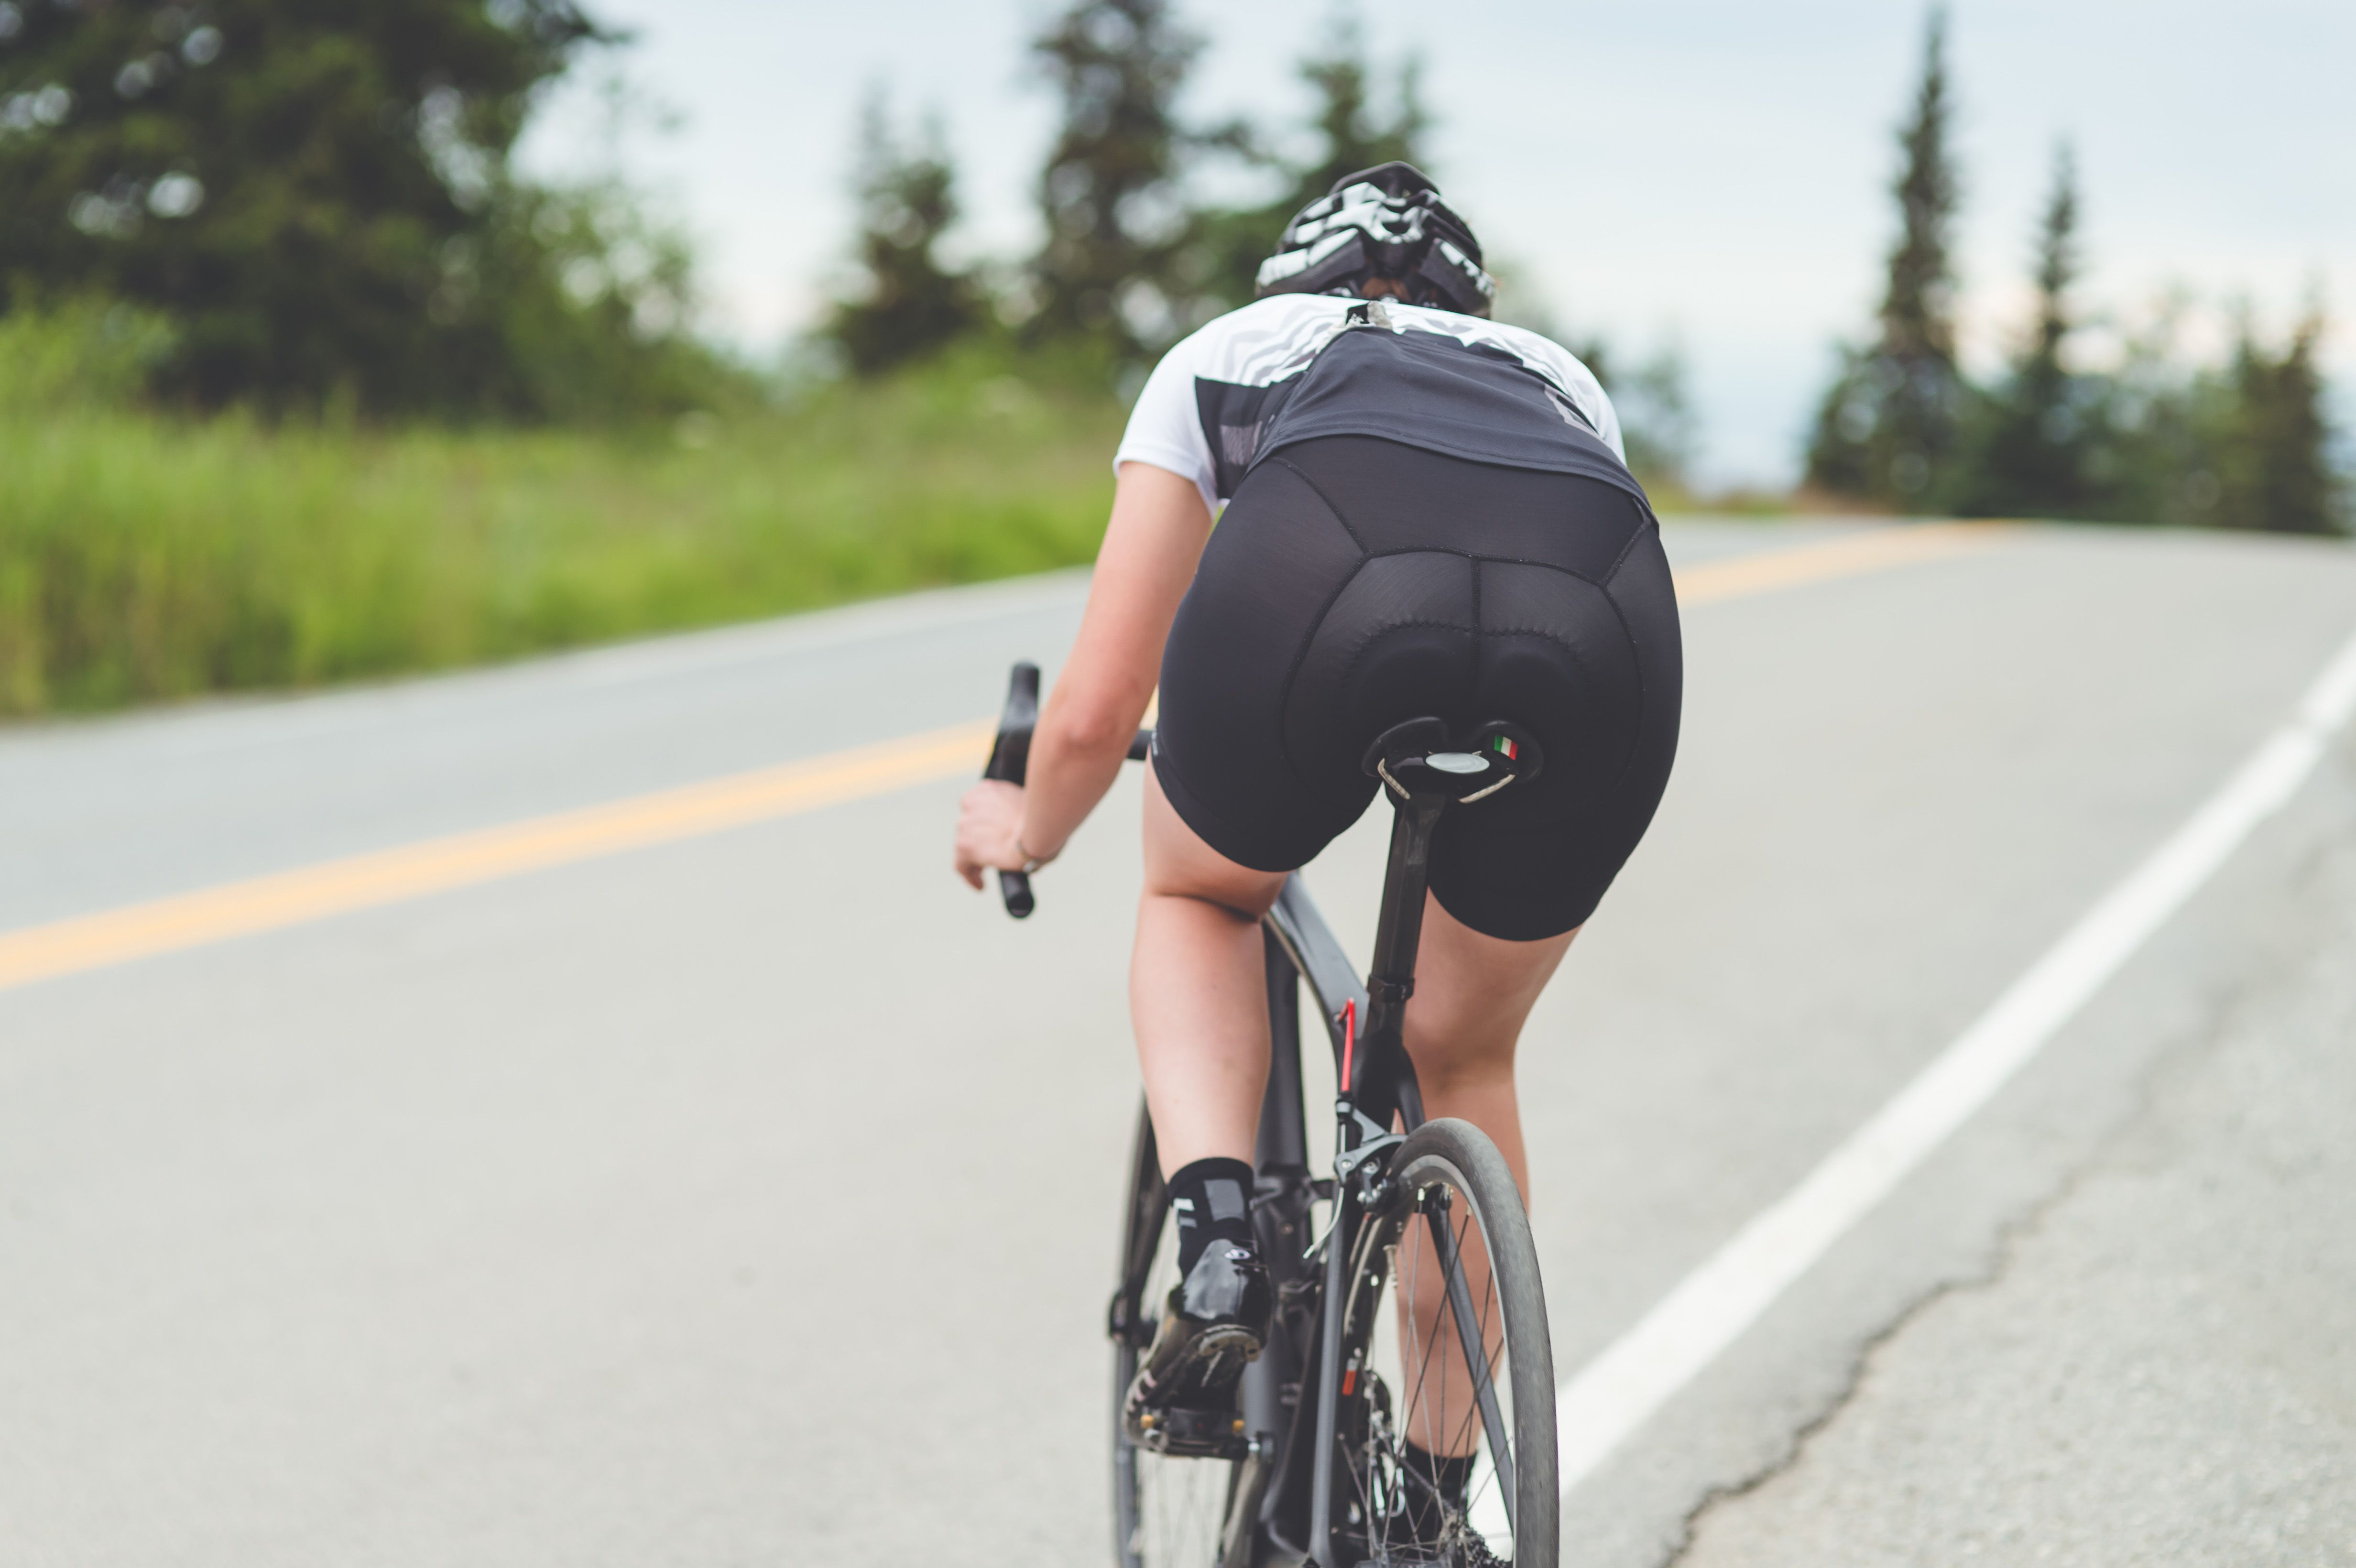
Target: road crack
(2230,1001)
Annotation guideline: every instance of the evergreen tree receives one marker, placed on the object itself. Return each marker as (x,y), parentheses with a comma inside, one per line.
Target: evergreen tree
(2033,458)
(2274,469)
(1351,135)
(2156,423)
(1657,422)
(909,305)
(1888,428)
(315,193)
(1109,194)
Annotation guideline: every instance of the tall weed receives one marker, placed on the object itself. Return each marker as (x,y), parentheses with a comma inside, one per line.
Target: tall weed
(83,353)
(143,558)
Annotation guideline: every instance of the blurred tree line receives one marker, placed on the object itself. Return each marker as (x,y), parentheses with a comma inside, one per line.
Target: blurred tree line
(316,200)
(1133,258)
(306,205)
(1129,261)
(2155,438)
(300,205)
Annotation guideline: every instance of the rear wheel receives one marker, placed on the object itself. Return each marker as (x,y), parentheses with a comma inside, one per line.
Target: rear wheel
(1167,1511)
(1446,1352)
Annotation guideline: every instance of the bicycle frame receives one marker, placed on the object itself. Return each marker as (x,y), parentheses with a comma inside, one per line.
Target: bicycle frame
(1376,1087)
(1377,1082)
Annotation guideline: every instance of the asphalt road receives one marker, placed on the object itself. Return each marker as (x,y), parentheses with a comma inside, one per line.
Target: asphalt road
(749,1197)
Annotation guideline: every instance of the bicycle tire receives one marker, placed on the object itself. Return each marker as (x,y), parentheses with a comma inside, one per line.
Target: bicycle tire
(1167,1512)
(1449,1177)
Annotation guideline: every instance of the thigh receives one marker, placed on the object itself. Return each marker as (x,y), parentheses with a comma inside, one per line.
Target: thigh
(1472,994)
(1179,864)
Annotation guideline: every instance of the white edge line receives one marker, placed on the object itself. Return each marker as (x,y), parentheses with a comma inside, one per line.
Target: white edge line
(1616,1392)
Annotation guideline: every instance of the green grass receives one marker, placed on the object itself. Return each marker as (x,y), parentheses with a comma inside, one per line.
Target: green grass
(145,558)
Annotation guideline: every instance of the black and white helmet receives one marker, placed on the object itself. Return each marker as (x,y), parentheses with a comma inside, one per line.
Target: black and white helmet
(1383,222)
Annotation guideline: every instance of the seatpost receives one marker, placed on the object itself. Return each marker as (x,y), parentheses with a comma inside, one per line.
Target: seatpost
(1390,979)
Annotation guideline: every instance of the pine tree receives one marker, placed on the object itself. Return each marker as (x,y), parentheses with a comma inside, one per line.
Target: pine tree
(2032,461)
(1115,221)
(2275,467)
(312,193)
(909,305)
(1658,419)
(1888,428)
(1351,135)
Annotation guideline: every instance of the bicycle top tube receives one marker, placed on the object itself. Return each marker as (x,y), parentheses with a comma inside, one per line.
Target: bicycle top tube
(1317,954)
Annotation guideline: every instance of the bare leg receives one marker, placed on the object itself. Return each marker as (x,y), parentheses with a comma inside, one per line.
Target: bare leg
(1198,997)
(1473,994)
(1197,991)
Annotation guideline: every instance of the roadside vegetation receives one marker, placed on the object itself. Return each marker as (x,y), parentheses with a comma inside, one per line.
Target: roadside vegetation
(2141,434)
(146,556)
(300,381)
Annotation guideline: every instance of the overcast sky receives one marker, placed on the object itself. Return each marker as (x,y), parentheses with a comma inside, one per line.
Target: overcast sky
(1710,172)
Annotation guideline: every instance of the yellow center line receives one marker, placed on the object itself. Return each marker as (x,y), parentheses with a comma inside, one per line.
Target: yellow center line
(412,870)
(1846,555)
(437,865)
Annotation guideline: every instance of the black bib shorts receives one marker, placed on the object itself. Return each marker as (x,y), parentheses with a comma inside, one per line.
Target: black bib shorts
(1356,582)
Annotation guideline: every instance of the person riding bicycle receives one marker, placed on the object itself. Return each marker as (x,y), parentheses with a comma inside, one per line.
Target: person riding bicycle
(1426,513)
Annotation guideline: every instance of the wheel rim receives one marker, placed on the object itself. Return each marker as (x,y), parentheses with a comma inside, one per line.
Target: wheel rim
(1421,1384)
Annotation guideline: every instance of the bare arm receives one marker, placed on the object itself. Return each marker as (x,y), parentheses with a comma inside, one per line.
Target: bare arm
(1151,547)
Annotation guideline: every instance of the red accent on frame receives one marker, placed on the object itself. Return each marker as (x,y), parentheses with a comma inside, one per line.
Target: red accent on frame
(1349,1040)
(1349,1382)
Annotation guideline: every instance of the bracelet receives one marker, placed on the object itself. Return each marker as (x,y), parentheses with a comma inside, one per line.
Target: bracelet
(1032,862)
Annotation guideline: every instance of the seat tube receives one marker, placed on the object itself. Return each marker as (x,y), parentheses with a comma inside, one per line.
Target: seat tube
(1382,1066)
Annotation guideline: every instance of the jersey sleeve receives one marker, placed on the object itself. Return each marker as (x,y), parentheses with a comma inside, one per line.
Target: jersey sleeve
(1165,428)
(1608,426)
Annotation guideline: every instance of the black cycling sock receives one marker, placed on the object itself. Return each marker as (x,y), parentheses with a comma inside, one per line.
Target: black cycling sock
(1211,1201)
(1449,1479)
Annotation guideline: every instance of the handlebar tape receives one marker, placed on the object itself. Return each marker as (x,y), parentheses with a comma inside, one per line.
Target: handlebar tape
(1009,759)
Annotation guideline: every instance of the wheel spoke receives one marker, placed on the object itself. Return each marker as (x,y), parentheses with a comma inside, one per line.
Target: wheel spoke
(1472,1333)
(1464,1412)
(1459,1214)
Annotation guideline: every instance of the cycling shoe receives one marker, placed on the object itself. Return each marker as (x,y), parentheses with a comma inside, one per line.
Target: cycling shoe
(1215,1323)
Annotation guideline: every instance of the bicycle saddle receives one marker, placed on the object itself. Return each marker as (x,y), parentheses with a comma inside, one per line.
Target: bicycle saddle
(1425,758)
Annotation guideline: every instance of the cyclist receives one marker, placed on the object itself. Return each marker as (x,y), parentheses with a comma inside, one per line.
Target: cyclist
(1426,514)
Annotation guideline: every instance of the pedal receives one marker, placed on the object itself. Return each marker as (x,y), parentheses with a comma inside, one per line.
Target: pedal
(1181,1434)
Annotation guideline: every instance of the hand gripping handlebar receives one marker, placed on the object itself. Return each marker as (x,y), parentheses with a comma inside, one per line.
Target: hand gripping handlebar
(1009,759)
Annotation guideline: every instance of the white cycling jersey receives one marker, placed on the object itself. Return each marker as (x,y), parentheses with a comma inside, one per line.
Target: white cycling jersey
(1239,388)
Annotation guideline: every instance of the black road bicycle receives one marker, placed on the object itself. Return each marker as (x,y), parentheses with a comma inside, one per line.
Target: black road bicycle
(1412,1314)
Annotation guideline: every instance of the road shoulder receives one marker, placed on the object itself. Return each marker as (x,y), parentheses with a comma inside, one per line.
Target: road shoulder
(2158,1369)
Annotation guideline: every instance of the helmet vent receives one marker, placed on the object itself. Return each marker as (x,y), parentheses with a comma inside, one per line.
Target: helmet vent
(1386,222)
